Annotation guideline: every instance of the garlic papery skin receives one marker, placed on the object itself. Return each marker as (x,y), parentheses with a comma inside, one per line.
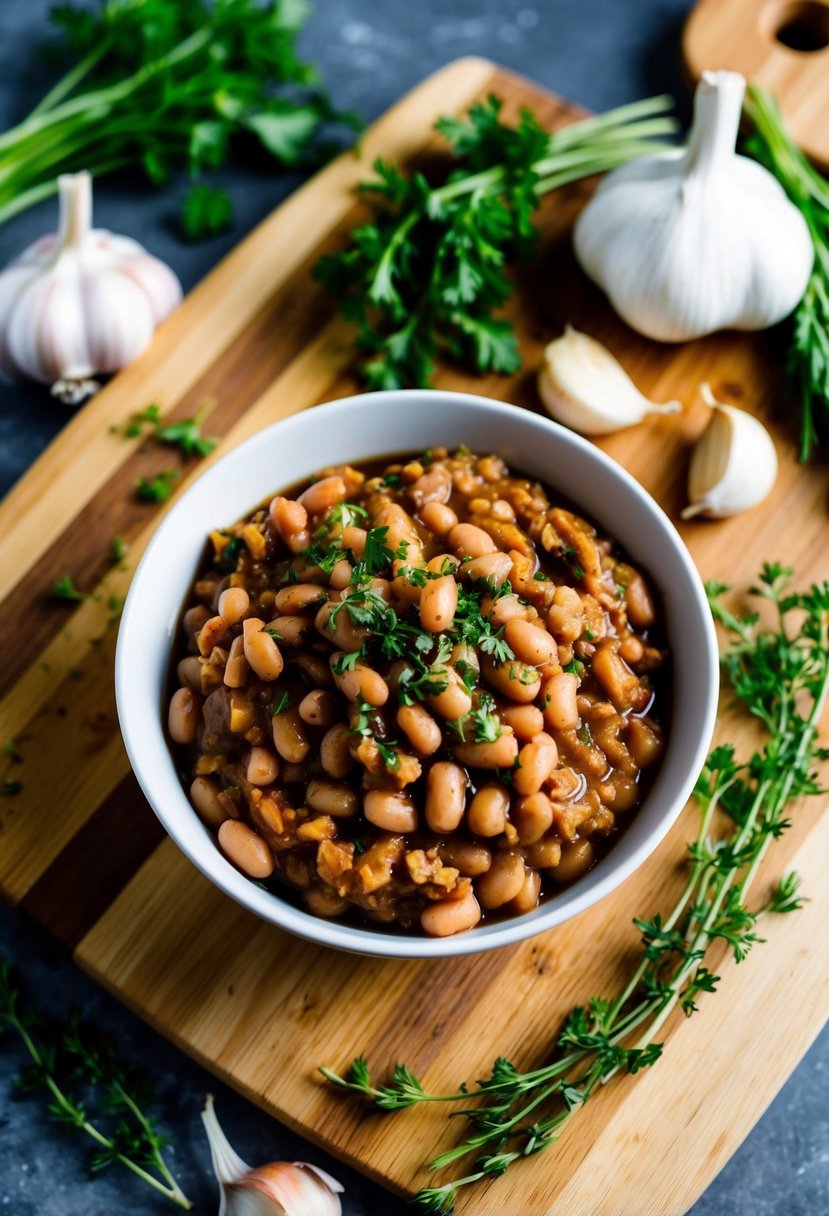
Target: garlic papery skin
(688,242)
(583,386)
(81,301)
(282,1188)
(733,464)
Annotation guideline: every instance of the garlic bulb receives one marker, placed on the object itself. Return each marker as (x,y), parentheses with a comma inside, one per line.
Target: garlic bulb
(81,301)
(698,239)
(281,1188)
(583,386)
(733,465)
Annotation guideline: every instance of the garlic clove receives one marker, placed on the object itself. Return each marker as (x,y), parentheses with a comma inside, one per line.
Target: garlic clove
(583,386)
(280,1188)
(733,465)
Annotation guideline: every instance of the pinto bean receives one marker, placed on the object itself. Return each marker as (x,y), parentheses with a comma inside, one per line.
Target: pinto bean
(184,715)
(433,486)
(323,495)
(527,721)
(290,520)
(236,667)
(335,753)
(438,603)
(644,743)
(332,798)
(558,698)
(502,881)
(491,568)
(391,811)
(354,539)
(527,897)
(619,682)
(445,796)
(544,853)
(468,540)
(263,766)
(532,816)
(513,679)
(195,619)
(454,701)
(487,814)
(340,575)
(211,634)
(501,753)
(233,604)
(261,651)
(289,737)
(438,518)
(530,642)
(245,848)
(318,708)
(576,859)
(188,672)
(360,682)
(449,916)
(467,856)
(292,630)
(301,597)
(638,599)
(339,629)
(420,728)
(503,609)
(204,794)
(537,759)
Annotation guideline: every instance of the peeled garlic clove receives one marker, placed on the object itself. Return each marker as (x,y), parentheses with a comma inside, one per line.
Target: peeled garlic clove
(80,301)
(281,1188)
(583,386)
(733,465)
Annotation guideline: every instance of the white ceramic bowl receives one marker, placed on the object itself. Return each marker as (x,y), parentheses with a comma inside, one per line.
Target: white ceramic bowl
(378,424)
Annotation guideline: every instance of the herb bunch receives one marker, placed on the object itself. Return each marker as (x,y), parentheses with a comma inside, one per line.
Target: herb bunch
(78,1070)
(781,676)
(167,87)
(426,276)
(808,358)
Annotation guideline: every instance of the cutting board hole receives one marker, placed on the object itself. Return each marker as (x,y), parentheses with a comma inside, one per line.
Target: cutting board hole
(801,26)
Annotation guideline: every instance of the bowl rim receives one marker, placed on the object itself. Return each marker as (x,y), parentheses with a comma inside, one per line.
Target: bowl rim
(368,941)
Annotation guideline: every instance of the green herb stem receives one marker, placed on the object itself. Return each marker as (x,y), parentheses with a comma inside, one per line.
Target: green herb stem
(782,676)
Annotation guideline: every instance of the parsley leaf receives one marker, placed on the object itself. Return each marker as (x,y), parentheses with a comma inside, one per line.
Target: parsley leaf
(65,589)
(205,211)
(186,435)
(158,488)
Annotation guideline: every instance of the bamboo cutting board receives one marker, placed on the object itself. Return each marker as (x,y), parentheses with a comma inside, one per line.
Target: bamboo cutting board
(83,855)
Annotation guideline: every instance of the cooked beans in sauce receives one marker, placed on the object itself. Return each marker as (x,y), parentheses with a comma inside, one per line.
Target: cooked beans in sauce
(418,693)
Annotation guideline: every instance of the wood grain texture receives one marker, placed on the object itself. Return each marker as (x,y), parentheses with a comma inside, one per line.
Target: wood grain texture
(259,1008)
(744,36)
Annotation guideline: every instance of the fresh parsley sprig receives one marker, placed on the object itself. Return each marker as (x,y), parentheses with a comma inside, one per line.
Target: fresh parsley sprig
(169,86)
(780,673)
(808,357)
(78,1070)
(426,276)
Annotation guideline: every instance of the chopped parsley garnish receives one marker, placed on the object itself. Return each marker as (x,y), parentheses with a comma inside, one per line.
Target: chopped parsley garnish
(118,548)
(280,704)
(151,416)
(377,555)
(393,480)
(158,488)
(10,788)
(575,667)
(230,553)
(346,662)
(10,748)
(65,589)
(186,435)
(272,632)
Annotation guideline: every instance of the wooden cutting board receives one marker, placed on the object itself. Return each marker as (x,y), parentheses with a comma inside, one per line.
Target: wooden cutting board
(81,852)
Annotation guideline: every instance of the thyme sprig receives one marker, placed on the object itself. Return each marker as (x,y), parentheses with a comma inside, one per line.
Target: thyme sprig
(76,1068)
(780,674)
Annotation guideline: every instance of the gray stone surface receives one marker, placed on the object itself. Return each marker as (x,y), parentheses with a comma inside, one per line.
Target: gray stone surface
(598,52)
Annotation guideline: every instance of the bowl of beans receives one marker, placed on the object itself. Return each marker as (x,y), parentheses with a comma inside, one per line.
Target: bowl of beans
(416,674)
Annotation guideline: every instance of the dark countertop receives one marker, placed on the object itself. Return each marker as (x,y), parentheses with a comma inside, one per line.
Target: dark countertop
(600,53)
